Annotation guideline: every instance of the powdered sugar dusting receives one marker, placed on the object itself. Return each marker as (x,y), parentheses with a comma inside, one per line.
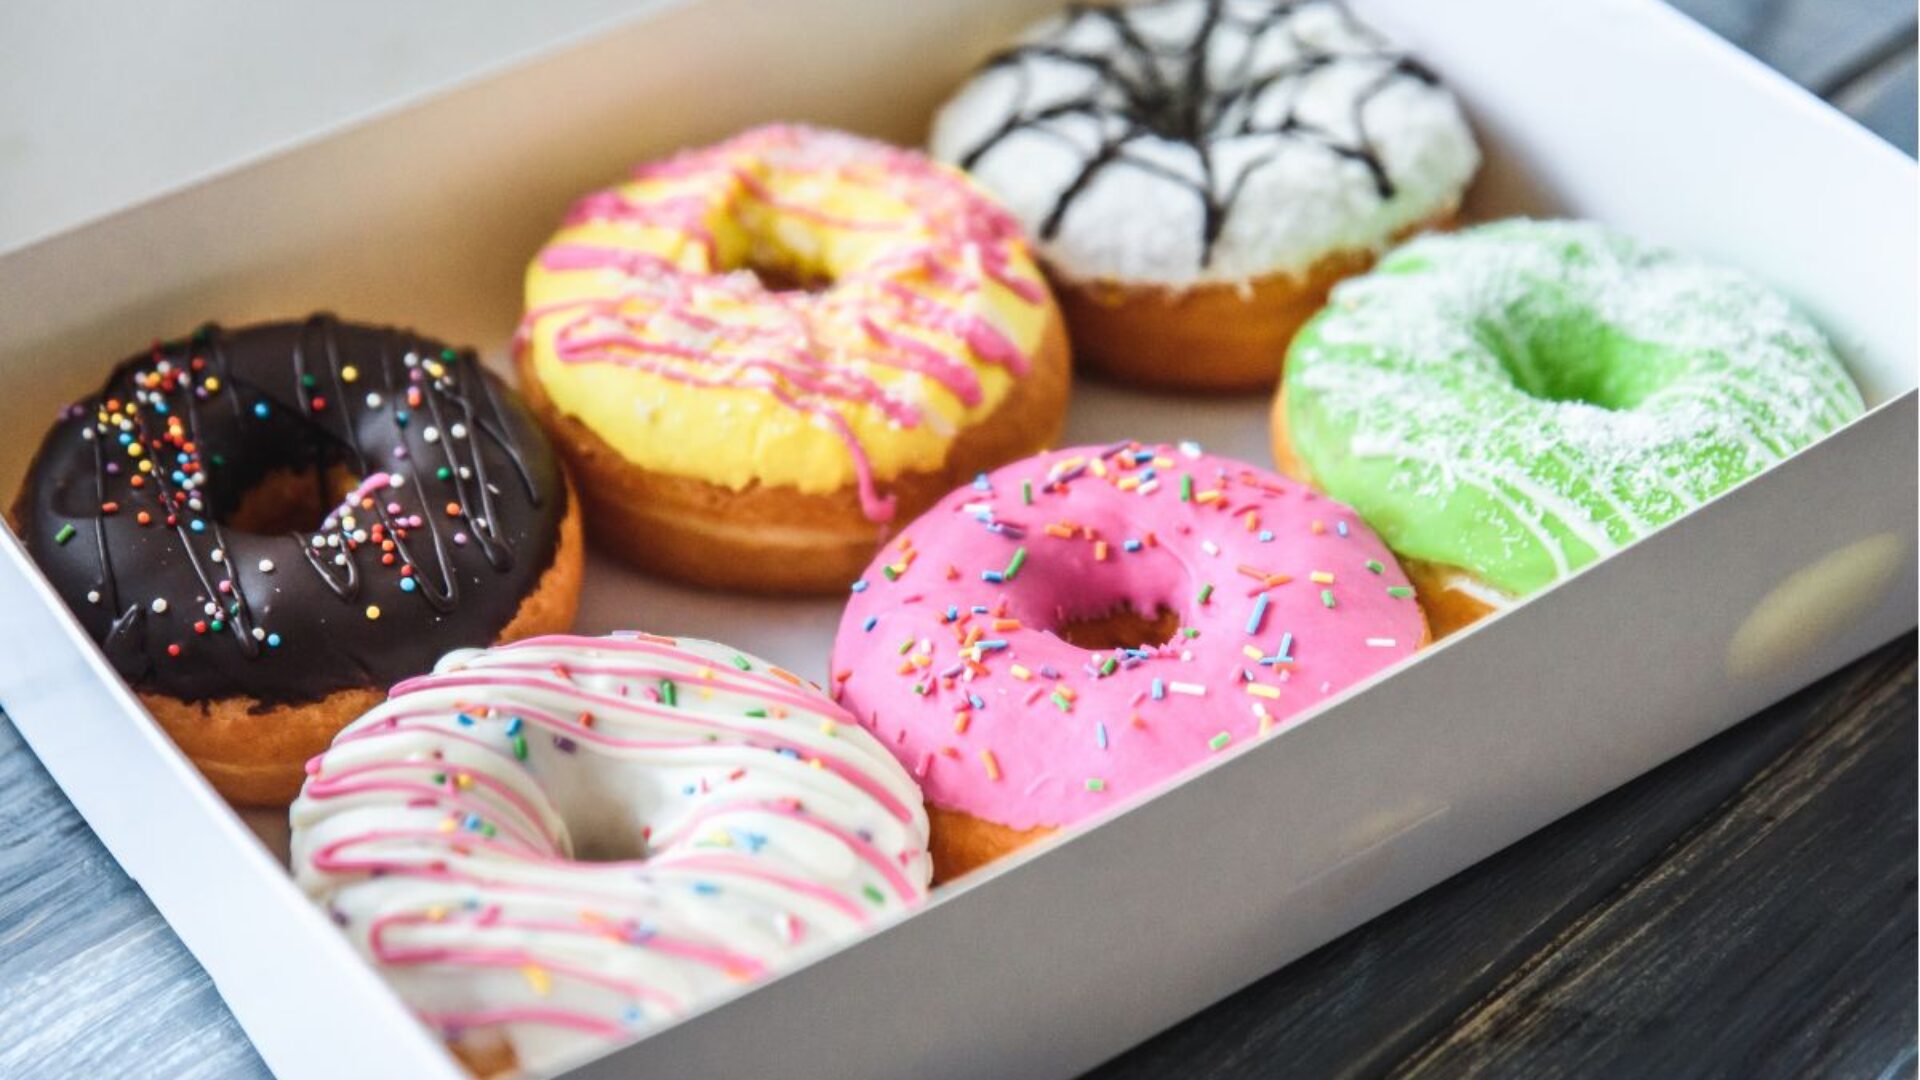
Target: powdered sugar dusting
(1522,398)
(1270,115)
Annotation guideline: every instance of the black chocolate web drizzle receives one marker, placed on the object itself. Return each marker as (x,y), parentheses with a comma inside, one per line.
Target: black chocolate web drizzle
(1165,91)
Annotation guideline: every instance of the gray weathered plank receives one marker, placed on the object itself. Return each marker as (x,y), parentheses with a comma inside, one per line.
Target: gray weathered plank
(92,982)
(1359,1006)
(1883,100)
(1816,43)
(1777,939)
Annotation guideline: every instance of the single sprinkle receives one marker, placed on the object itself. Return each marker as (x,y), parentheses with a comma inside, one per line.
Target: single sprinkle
(1096,784)
(1375,566)
(991,764)
(1259,616)
(1206,591)
(1220,741)
(1326,597)
(1014,564)
(1399,592)
(65,534)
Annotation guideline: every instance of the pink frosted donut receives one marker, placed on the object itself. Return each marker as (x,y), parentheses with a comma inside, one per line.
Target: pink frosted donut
(948,651)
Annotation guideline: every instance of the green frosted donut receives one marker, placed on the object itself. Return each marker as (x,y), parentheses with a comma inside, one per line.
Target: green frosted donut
(1519,399)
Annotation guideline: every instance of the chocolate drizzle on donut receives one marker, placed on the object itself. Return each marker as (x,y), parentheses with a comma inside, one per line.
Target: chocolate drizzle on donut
(1148,89)
(455,507)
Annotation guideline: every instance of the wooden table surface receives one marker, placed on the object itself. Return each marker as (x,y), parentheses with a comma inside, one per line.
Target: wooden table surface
(1747,910)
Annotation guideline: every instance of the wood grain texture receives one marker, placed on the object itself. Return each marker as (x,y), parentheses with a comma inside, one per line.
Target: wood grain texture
(1368,1002)
(1883,100)
(1746,910)
(92,982)
(1775,938)
(1820,44)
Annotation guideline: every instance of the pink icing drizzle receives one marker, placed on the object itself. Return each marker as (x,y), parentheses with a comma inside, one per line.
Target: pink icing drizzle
(1053,765)
(952,238)
(448,857)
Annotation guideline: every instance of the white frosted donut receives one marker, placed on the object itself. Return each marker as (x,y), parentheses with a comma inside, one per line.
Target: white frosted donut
(563,840)
(1183,142)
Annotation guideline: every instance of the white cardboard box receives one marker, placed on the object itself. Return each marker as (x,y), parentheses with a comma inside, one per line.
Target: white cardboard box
(1062,956)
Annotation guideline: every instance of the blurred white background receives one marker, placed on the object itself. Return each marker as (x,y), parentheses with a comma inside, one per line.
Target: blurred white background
(107,102)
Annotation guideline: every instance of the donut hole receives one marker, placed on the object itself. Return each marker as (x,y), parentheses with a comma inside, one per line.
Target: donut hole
(1175,117)
(1571,356)
(1120,628)
(616,836)
(758,243)
(786,276)
(287,499)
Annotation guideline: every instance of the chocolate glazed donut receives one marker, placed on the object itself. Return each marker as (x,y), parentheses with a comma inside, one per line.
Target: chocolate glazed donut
(263,528)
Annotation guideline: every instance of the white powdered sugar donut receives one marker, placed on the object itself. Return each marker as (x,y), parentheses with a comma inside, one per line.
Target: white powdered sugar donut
(552,844)
(1178,145)
(1184,141)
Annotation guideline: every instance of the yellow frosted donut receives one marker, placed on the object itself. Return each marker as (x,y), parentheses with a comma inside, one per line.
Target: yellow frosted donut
(758,354)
